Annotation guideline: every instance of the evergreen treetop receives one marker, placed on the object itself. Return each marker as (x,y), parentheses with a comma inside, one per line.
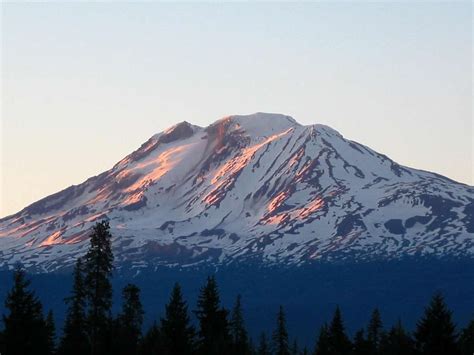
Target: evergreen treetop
(25,327)
(214,337)
(280,335)
(98,265)
(240,341)
(74,340)
(374,332)
(466,340)
(339,343)
(436,333)
(177,332)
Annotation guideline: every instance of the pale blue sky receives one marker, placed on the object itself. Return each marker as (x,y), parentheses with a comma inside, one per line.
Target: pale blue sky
(84,84)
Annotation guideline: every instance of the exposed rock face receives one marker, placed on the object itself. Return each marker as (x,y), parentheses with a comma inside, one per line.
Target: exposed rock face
(259,187)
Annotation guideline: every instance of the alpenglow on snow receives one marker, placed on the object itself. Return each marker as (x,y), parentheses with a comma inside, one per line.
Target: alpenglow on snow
(259,187)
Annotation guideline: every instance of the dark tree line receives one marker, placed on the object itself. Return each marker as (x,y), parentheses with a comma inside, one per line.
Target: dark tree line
(90,327)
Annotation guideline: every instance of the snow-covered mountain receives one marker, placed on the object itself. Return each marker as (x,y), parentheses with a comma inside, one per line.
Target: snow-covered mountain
(259,187)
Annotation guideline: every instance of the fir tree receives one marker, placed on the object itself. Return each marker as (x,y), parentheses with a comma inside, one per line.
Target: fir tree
(263,348)
(361,345)
(151,342)
(98,270)
(2,343)
(323,346)
(74,340)
(252,349)
(397,341)
(436,333)
(280,335)
(466,340)
(129,322)
(374,332)
(25,328)
(214,337)
(240,343)
(295,350)
(50,334)
(339,343)
(178,334)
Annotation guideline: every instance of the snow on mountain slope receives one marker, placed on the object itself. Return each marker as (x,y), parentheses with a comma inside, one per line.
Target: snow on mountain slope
(248,187)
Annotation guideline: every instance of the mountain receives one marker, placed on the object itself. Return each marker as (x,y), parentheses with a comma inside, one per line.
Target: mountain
(248,188)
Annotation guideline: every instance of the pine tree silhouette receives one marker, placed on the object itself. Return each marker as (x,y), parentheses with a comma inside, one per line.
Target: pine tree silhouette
(214,337)
(323,346)
(240,342)
(74,340)
(50,332)
(466,340)
(339,343)
(397,341)
(98,270)
(127,332)
(295,350)
(374,332)
(436,333)
(263,347)
(151,342)
(2,342)
(25,328)
(361,345)
(280,335)
(177,332)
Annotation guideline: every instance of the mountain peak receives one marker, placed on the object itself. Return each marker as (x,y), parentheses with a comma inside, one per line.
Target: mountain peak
(256,125)
(265,119)
(179,131)
(257,186)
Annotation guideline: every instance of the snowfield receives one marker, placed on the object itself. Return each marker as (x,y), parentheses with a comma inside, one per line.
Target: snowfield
(259,187)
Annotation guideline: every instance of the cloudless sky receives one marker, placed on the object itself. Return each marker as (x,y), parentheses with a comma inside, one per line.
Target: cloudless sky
(84,84)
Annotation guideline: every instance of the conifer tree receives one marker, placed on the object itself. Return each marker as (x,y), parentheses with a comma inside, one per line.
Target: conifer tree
(374,332)
(178,334)
(240,342)
(74,340)
(361,345)
(466,340)
(252,349)
(339,343)
(2,343)
(50,334)
(128,326)
(397,341)
(25,327)
(263,347)
(214,337)
(295,350)
(151,342)
(280,335)
(98,270)
(436,333)
(323,346)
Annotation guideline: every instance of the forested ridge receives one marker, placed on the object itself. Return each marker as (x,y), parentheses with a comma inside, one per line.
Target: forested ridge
(91,328)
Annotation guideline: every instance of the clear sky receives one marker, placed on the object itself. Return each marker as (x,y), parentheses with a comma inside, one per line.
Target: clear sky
(84,84)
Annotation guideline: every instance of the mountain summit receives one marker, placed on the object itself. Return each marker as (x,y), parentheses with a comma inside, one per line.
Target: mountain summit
(257,187)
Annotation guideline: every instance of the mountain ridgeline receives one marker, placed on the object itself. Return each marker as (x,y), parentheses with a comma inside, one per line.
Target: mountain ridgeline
(259,188)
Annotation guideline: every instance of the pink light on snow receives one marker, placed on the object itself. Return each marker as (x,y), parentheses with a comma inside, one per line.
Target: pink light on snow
(226,175)
(239,162)
(158,167)
(53,239)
